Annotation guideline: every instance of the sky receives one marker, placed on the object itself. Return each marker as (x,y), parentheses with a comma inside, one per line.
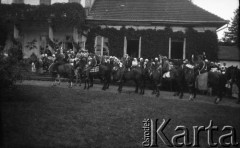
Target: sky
(222,8)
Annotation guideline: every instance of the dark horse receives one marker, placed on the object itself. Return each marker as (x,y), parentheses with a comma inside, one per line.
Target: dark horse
(190,73)
(215,80)
(79,70)
(233,75)
(104,74)
(177,77)
(123,74)
(62,70)
(156,79)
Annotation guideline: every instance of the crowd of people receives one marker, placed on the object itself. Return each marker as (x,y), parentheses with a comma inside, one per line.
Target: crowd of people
(70,56)
(128,63)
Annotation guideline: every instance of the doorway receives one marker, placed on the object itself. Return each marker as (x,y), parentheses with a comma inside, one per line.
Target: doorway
(177,50)
(132,48)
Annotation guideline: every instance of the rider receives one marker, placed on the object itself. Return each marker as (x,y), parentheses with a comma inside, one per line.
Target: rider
(202,64)
(59,59)
(134,63)
(125,66)
(141,63)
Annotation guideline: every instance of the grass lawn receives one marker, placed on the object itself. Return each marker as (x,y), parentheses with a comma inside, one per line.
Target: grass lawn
(43,116)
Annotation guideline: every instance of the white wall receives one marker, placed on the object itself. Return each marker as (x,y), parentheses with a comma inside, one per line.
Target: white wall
(29,36)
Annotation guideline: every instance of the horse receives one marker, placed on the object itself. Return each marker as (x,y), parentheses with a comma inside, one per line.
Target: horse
(123,74)
(155,75)
(79,70)
(102,72)
(217,81)
(214,79)
(233,75)
(62,69)
(176,77)
(190,73)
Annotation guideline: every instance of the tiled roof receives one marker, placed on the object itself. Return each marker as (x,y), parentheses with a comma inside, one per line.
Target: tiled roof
(152,10)
(229,53)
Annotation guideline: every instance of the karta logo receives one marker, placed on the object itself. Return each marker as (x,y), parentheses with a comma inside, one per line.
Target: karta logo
(154,134)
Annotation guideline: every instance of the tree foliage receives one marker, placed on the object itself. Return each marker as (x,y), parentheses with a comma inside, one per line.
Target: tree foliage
(67,14)
(231,36)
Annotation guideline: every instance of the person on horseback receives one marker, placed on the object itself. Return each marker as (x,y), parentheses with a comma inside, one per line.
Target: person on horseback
(201,64)
(223,68)
(59,59)
(125,66)
(141,63)
(134,63)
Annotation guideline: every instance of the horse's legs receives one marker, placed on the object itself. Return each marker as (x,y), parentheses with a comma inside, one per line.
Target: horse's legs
(54,82)
(142,87)
(180,91)
(59,80)
(104,85)
(108,81)
(85,83)
(157,91)
(70,84)
(219,95)
(91,81)
(154,87)
(137,83)
(80,80)
(191,93)
(120,86)
(238,102)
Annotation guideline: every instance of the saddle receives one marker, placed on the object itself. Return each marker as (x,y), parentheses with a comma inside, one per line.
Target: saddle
(94,69)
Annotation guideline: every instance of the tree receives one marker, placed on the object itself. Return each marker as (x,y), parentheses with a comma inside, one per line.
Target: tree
(231,36)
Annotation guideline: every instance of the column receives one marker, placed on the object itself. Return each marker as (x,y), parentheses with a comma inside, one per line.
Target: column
(102,42)
(95,46)
(50,35)
(169,50)
(140,47)
(16,32)
(75,37)
(125,46)
(184,48)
